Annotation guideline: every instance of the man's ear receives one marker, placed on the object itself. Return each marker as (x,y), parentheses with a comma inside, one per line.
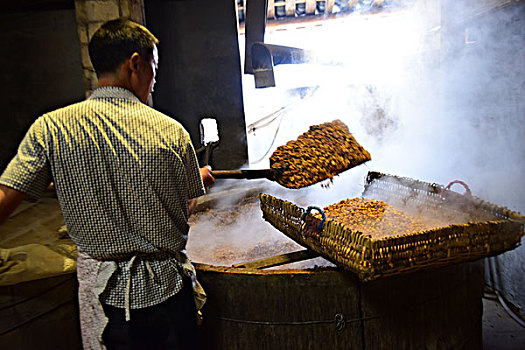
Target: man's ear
(134,61)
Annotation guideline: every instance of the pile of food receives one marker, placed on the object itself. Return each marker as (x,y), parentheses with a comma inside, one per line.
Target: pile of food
(322,152)
(374,218)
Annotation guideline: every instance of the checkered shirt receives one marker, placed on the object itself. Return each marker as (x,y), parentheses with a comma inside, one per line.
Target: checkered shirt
(123,174)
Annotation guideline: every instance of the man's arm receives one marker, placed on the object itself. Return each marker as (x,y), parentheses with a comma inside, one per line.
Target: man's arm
(207,180)
(9,200)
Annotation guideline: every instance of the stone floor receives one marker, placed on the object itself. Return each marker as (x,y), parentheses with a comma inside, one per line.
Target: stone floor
(500,331)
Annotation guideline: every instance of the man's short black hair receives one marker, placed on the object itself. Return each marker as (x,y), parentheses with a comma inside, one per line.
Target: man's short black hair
(116,41)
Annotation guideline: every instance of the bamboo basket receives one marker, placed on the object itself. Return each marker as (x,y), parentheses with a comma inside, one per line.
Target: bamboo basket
(491,229)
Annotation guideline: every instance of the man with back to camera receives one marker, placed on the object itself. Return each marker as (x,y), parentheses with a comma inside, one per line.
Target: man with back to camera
(127,178)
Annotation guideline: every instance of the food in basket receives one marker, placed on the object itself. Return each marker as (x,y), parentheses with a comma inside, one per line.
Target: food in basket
(373,243)
(322,152)
(374,217)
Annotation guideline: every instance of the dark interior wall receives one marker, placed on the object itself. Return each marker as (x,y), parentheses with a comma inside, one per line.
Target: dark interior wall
(41,70)
(200,71)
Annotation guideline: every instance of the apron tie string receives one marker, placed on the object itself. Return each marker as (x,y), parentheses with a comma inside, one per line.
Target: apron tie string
(127,296)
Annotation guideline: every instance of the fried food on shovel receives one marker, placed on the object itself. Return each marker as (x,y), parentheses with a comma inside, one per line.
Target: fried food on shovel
(322,152)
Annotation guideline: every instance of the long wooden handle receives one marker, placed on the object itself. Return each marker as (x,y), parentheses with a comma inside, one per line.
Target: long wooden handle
(277,260)
(243,174)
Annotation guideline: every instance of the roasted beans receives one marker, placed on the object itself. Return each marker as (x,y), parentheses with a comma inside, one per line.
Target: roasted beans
(322,152)
(372,217)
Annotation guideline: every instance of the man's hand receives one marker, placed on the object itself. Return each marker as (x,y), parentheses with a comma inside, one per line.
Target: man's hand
(9,200)
(207,178)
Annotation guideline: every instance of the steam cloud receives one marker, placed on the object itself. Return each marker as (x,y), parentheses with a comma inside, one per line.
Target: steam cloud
(422,110)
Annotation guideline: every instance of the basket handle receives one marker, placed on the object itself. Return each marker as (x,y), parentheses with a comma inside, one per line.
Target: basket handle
(305,214)
(467,189)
